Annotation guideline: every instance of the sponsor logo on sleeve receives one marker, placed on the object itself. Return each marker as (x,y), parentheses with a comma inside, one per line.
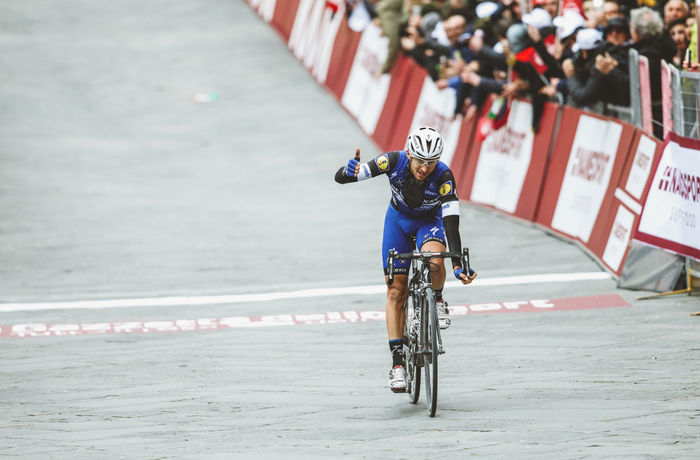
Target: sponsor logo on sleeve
(382,162)
(446,188)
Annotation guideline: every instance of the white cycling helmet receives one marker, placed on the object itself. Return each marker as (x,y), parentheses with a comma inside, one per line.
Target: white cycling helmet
(425,143)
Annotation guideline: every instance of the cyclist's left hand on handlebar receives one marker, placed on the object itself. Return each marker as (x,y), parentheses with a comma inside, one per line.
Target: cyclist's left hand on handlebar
(461,275)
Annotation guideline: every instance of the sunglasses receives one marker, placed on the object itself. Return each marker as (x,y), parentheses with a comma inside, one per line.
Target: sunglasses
(428,163)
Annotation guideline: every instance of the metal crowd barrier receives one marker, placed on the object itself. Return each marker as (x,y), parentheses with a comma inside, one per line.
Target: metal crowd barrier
(686,90)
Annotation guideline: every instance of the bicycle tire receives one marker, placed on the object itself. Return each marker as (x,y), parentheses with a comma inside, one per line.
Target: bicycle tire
(431,351)
(410,355)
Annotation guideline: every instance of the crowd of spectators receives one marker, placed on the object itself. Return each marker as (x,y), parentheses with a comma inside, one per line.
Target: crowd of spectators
(561,50)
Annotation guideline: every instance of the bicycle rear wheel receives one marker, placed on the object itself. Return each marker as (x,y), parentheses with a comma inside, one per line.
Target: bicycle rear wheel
(430,350)
(410,351)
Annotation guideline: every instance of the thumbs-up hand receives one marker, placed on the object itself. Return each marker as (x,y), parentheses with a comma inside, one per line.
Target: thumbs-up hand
(353,168)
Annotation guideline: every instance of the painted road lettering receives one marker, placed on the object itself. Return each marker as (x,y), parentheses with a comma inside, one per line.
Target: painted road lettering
(25,330)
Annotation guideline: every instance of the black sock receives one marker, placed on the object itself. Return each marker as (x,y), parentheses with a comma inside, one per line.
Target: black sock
(396,347)
(438,294)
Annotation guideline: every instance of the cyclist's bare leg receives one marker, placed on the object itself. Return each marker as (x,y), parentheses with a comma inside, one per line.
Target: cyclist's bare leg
(395,297)
(437,277)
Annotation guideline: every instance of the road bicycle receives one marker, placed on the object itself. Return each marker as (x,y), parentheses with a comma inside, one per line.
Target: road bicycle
(422,339)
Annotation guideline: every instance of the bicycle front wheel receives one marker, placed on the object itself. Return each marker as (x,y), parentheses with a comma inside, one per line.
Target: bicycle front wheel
(430,350)
(410,350)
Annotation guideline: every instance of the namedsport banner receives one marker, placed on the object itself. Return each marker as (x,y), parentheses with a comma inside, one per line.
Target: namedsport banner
(671,214)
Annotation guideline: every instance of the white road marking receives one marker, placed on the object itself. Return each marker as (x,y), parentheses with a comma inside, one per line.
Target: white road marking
(304,293)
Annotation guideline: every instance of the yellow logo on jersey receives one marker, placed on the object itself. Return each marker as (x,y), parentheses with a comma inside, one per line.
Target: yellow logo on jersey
(383,162)
(446,188)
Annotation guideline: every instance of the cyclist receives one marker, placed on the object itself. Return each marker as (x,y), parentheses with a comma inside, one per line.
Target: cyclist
(424,208)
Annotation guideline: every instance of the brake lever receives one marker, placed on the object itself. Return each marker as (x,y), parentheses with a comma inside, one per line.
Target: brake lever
(465,261)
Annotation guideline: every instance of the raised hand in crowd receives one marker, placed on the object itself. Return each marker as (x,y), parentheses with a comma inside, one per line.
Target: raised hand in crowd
(469,74)
(471,111)
(568,68)
(514,87)
(551,89)
(605,64)
(442,83)
(476,43)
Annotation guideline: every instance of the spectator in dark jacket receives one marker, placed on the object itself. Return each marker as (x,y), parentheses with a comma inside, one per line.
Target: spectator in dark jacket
(617,44)
(601,73)
(428,54)
(649,39)
(585,84)
(617,31)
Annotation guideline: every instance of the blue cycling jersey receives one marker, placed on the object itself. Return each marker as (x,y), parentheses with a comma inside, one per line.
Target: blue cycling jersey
(420,211)
(436,195)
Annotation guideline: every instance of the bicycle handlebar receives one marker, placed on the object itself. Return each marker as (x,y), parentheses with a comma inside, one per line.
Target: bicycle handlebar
(393,255)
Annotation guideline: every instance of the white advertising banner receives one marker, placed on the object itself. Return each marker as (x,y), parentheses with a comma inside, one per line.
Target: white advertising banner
(297,36)
(266,9)
(671,215)
(366,90)
(618,239)
(330,24)
(504,160)
(436,109)
(306,49)
(313,35)
(641,167)
(587,176)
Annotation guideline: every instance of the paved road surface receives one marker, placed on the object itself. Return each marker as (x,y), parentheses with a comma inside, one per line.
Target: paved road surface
(116,184)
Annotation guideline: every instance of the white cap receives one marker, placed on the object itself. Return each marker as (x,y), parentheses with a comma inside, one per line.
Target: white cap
(440,35)
(486,9)
(568,23)
(538,18)
(587,39)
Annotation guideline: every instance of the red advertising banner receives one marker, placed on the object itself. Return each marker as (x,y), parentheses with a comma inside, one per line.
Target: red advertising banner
(459,161)
(344,49)
(401,101)
(283,17)
(412,90)
(671,215)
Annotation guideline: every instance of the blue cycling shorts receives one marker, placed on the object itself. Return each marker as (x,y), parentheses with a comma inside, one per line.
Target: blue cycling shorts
(400,232)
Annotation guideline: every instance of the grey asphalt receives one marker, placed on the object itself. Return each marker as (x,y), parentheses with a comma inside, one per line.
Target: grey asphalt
(116,183)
